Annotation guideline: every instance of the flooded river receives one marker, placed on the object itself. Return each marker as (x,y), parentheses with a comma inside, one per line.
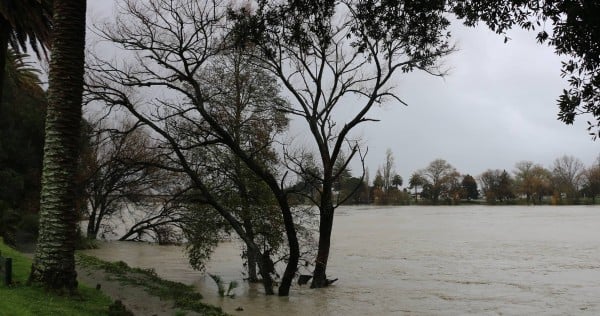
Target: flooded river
(480,260)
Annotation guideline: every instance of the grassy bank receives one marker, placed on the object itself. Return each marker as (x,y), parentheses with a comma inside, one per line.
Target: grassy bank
(20,299)
(184,296)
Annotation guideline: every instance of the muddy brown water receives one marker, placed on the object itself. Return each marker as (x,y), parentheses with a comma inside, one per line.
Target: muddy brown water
(481,260)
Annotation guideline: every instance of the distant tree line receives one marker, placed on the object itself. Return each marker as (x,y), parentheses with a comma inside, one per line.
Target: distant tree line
(566,181)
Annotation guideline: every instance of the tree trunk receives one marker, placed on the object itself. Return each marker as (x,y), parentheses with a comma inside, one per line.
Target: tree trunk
(266,268)
(319,279)
(252,262)
(251,253)
(99,217)
(92,232)
(54,261)
(326,210)
(292,237)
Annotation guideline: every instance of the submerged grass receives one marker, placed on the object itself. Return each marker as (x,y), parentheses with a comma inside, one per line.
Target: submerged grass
(221,286)
(185,296)
(20,299)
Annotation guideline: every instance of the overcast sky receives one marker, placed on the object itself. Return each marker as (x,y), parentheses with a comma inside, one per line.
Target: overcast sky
(497,106)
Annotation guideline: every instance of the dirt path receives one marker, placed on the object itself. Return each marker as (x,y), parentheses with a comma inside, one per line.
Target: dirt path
(135,298)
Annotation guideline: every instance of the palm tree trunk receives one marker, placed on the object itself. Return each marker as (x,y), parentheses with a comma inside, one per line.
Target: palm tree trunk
(54,262)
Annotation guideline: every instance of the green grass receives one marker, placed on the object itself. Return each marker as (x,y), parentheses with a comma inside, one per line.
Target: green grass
(20,299)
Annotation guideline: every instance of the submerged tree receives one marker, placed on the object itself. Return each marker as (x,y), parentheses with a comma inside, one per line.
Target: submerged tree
(54,260)
(179,46)
(246,102)
(327,53)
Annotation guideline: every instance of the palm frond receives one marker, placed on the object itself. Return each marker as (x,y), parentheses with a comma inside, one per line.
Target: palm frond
(29,22)
(22,72)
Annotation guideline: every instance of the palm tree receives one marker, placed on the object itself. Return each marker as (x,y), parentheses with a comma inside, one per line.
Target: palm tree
(54,261)
(416,180)
(23,22)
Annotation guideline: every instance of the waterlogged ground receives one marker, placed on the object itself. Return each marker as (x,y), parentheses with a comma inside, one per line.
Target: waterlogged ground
(423,261)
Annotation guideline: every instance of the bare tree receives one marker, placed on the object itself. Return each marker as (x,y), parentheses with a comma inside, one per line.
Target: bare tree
(591,180)
(116,175)
(341,56)
(439,180)
(566,173)
(388,170)
(497,185)
(160,221)
(532,180)
(172,44)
